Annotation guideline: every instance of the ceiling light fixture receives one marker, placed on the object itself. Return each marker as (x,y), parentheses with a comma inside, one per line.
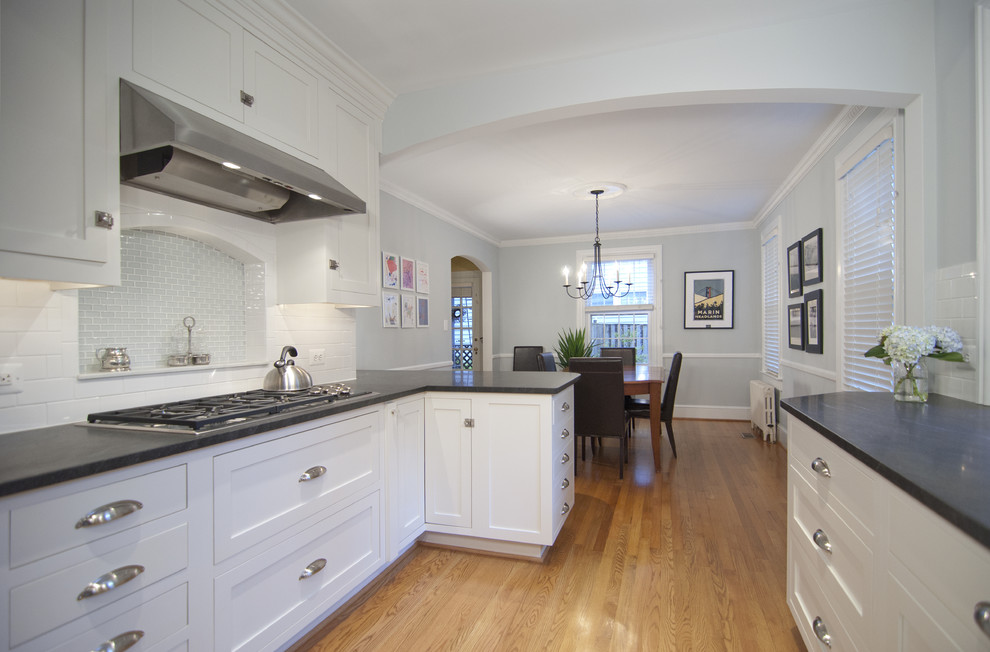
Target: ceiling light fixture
(587,285)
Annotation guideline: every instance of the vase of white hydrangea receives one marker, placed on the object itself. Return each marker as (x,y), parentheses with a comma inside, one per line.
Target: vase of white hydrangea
(905,349)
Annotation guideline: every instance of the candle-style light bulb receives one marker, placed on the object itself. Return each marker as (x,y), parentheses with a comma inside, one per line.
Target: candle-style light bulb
(565,274)
(584,273)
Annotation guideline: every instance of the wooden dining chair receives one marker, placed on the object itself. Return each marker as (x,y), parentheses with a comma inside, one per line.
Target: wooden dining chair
(598,403)
(545,362)
(627,353)
(667,404)
(524,358)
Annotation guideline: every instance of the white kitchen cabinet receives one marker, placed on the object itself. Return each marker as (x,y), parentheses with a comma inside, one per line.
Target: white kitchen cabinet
(406,461)
(198,51)
(58,144)
(496,465)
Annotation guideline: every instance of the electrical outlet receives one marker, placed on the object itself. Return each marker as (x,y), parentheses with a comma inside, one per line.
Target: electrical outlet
(10,379)
(317,357)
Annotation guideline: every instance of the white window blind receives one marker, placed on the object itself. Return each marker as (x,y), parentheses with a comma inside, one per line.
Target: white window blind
(868,194)
(771,304)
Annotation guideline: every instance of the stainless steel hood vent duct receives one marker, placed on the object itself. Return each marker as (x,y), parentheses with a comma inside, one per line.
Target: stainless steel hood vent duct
(170,149)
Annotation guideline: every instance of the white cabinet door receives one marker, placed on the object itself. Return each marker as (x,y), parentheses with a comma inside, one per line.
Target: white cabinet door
(448,461)
(406,452)
(284,97)
(193,49)
(58,144)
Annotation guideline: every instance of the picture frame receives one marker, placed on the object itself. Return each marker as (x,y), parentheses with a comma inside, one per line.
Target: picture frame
(408,311)
(390,309)
(422,312)
(709,299)
(407,274)
(795,326)
(390,271)
(795,268)
(811,258)
(422,277)
(813,316)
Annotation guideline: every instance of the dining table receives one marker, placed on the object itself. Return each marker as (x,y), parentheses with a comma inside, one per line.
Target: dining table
(647,379)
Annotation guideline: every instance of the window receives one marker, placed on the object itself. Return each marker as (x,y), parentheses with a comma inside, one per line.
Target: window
(771,303)
(631,320)
(866,203)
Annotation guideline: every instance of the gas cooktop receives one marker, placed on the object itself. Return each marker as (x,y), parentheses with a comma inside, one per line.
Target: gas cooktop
(197,416)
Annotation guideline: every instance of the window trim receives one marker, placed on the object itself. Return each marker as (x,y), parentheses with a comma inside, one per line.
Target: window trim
(582,318)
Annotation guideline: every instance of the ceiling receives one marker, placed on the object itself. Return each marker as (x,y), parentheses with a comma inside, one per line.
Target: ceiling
(681,166)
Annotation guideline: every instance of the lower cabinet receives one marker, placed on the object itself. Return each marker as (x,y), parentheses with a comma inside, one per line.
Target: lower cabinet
(406,462)
(871,568)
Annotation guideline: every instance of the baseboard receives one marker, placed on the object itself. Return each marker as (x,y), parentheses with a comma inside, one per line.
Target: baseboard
(712,412)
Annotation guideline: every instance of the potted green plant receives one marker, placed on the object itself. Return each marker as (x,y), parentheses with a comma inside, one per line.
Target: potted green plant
(572,344)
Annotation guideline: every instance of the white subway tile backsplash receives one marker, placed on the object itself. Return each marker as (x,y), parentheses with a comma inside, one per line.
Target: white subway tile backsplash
(957,306)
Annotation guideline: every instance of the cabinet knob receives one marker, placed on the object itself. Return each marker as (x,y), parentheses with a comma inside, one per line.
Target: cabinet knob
(313,568)
(821,467)
(121,642)
(565,407)
(565,433)
(109,512)
(104,219)
(110,581)
(982,616)
(566,508)
(821,632)
(821,540)
(312,473)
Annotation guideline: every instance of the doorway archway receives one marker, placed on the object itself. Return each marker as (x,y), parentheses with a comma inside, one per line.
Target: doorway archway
(470,314)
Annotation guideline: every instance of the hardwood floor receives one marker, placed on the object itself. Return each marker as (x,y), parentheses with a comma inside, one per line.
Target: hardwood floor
(692,558)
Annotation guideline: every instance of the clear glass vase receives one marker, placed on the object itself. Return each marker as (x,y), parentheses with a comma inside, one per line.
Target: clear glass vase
(910,381)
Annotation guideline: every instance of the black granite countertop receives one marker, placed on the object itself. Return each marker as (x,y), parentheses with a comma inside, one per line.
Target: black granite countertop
(938,452)
(31,459)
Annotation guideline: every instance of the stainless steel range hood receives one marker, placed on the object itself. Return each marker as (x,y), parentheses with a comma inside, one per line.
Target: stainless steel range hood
(168,148)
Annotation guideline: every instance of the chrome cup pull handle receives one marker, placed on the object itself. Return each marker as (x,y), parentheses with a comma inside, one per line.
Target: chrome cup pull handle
(565,458)
(565,433)
(109,512)
(566,508)
(565,483)
(821,632)
(313,568)
(821,540)
(110,581)
(821,467)
(121,642)
(565,407)
(312,473)
(982,616)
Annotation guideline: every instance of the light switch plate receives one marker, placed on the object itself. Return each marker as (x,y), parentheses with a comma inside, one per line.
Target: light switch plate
(317,357)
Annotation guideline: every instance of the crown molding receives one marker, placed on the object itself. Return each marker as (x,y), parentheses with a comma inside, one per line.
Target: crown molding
(825,141)
(434,210)
(630,235)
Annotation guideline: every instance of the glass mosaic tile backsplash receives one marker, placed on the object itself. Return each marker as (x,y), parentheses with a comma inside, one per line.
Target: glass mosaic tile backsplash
(164,278)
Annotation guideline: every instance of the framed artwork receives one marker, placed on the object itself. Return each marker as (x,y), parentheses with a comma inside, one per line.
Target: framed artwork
(422,312)
(390,310)
(408,311)
(407,274)
(422,277)
(794,268)
(708,299)
(811,258)
(813,313)
(390,271)
(795,326)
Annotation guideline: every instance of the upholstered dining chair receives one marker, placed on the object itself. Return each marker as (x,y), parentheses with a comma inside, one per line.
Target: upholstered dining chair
(545,362)
(599,409)
(666,404)
(524,358)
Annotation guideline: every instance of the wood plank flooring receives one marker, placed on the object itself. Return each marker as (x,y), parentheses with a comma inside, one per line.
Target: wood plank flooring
(691,558)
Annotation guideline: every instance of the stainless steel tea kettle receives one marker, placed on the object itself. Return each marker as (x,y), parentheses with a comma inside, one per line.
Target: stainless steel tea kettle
(286,376)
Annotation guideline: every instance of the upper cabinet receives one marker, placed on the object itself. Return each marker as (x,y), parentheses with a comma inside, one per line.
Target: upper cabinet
(58,144)
(197,51)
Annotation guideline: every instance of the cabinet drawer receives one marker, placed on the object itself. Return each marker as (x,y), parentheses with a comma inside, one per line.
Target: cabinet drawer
(563,408)
(809,604)
(56,525)
(848,481)
(563,497)
(263,601)
(48,602)
(841,563)
(262,490)
(155,619)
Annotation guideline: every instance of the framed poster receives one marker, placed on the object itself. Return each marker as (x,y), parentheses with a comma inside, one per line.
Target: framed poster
(795,326)
(390,271)
(390,310)
(813,313)
(408,311)
(422,277)
(422,312)
(794,269)
(407,274)
(811,258)
(708,299)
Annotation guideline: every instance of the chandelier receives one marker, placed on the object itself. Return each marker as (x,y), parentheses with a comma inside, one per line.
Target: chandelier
(586,285)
